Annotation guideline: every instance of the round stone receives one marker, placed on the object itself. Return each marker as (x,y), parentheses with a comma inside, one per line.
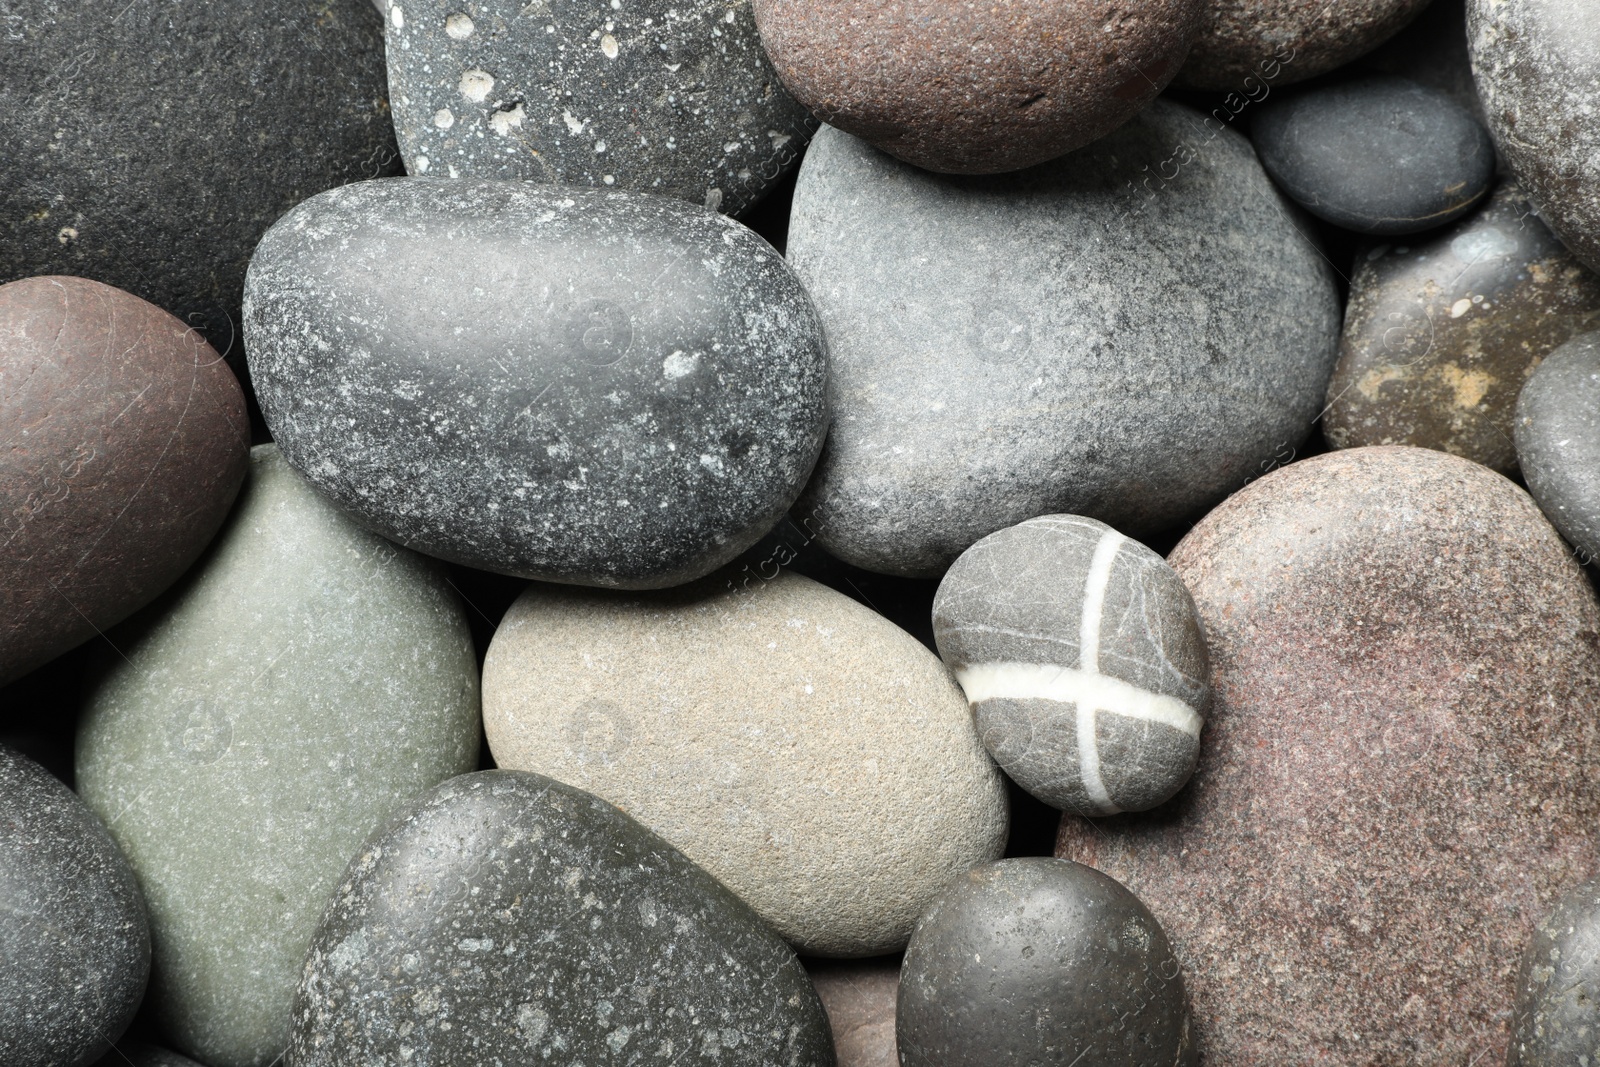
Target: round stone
(1083,659)
(1557,1017)
(1251,46)
(1036,960)
(859,997)
(1558,441)
(135,1054)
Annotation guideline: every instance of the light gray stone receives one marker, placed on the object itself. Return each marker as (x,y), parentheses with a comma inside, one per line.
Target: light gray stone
(1558,441)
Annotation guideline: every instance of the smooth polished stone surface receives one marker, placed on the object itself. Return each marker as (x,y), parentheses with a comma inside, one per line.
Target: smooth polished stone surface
(1557,1022)
(1558,441)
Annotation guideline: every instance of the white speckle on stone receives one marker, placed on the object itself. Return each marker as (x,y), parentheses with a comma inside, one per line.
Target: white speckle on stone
(714,198)
(778,138)
(599,146)
(711,463)
(679,364)
(67,234)
(444,118)
(1460,308)
(397,17)
(475,85)
(475,944)
(619,1037)
(422,164)
(574,124)
(503,122)
(609,179)
(350,952)
(326,467)
(608,45)
(730,148)
(728,18)
(532,1022)
(458,26)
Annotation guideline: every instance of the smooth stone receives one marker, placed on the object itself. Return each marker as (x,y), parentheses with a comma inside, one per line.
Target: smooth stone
(971,88)
(1557,1021)
(810,754)
(127,443)
(1441,336)
(1432,51)
(1534,62)
(1245,43)
(1401,770)
(507,918)
(859,997)
(74,944)
(1083,659)
(1035,960)
(150,145)
(556,383)
(136,1054)
(305,681)
(1376,155)
(651,95)
(1558,441)
(1072,339)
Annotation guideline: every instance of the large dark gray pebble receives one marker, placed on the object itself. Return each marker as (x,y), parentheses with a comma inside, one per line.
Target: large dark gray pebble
(1557,1013)
(1558,441)
(566,384)
(136,1054)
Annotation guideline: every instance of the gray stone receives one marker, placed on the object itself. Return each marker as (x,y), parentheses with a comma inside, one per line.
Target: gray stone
(135,1054)
(649,95)
(304,681)
(1081,337)
(74,943)
(579,386)
(1557,1012)
(507,918)
(1432,51)
(1558,441)
(1034,961)
(1244,44)
(1084,660)
(859,997)
(810,754)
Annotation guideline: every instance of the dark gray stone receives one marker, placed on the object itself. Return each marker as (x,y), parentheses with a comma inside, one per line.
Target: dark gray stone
(1040,961)
(507,918)
(74,944)
(1432,51)
(1557,1012)
(649,95)
(1081,337)
(601,388)
(135,1054)
(1558,441)
(1084,660)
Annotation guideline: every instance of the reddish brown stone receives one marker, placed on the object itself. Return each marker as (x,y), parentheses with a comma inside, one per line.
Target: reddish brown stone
(1246,46)
(859,997)
(125,440)
(1401,772)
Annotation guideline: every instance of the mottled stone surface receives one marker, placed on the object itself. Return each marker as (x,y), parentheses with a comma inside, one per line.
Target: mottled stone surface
(126,441)
(579,386)
(74,943)
(507,918)
(1035,960)
(811,755)
(1083,659)
(1558,441)
(1401,770)
(1309,37)
(859,997)
(656,96)
(256,724)
(1440,336)
(976,88)
(1081,337)
(1557,1021)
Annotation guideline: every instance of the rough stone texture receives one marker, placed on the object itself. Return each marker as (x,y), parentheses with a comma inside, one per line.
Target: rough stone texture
(1401,770)
(1537,66)
(1082,337)
(1558,441)
(656,96)
(303,682)
(811,755)
(1440,337)
(1376,155)
(74,943)
(150,143)
(126,441)
(1310,37)
(977,88)
(1557,1021)
(134,1054)
(579,386)
(507,918)
(859,996)
(1084,660)
(1035,960)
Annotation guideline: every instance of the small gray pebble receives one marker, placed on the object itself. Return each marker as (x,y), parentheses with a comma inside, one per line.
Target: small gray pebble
(1556,1020)
(1558,441)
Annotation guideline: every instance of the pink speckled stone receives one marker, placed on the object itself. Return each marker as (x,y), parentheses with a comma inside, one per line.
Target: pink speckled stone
(1401,773)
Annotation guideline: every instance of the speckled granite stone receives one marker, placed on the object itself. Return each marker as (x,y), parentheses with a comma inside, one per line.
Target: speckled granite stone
(1440,336)
(1309,37)
(658,96)
(1557,1021)
(1082,337)
(1083,659)
(971,87)
(74,943)
(507,918)
(1558,441)
(1032,961)
(126,441)
(579,386)
(808,753)
(303,682)
(1401,770)
(859,997)
(135,1054)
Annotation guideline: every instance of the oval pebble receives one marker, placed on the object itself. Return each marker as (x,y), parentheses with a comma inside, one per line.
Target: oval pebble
(1252,46)
(1558,441)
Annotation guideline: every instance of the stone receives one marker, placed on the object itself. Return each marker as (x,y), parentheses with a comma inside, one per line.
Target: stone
(1558,441)
(128,441)
(1402,763)
(1432,51)
(136,1054)
(74,946)
(975,88)
(507,918)
(1557,1021)
(556,383)
(651,95)
(1284,41)
(1440,336)
(1106,345)
(1083,659)
(811,755)
(1036,960)
(859,997)
(1376,155)
(1534,63)
(253,727)
(149,145)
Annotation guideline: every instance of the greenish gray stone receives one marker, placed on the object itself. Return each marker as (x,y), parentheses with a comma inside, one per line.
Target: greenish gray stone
(302,683)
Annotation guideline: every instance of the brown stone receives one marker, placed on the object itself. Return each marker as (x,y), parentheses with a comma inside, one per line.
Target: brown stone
(971,87)
(1246,46)
(1401,772)
(859,997)
(125,442)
